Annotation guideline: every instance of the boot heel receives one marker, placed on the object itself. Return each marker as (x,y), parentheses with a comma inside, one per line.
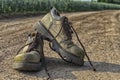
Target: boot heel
(43,31)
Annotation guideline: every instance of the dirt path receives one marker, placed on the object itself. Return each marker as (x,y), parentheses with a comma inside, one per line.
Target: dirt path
(99,31)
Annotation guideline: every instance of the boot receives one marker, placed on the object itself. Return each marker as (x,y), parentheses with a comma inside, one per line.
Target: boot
(29,57)
(57,30)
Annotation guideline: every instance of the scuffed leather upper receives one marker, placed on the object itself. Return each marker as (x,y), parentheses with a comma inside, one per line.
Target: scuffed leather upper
(53,22)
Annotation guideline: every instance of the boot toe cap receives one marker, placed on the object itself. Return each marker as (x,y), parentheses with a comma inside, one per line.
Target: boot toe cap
(32,56)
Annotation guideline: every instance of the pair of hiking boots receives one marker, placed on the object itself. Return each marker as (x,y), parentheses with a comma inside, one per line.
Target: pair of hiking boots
(58,31)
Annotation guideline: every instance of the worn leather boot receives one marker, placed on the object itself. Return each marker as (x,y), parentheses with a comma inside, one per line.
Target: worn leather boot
(57,30)
(29,57)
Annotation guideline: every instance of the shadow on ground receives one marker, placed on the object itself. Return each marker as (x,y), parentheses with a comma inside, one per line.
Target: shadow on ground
(56,67)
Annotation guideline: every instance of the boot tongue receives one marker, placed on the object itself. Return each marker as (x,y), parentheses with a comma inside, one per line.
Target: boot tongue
(67,31)
(35,42)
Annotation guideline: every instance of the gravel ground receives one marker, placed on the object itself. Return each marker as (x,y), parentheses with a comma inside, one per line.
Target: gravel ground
(99,32)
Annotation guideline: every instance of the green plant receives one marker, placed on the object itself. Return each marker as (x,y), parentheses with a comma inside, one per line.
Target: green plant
(43,6)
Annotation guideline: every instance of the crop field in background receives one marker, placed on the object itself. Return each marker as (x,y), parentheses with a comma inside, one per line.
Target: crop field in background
(43,6)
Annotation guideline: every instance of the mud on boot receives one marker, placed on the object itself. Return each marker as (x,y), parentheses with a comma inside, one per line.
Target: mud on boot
(57,30)
(29,56)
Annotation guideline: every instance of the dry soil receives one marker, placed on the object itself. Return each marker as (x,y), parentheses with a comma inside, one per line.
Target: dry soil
(99,32)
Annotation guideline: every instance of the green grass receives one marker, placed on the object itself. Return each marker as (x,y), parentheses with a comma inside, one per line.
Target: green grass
(43,6)
(93,6)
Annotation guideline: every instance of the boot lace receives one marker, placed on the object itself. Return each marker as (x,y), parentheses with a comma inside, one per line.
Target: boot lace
(33,47)
(33,44)
(68,30)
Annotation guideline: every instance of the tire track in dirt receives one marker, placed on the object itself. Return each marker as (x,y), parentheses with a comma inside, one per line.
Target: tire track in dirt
(14,36)
(116,38)
(117,16)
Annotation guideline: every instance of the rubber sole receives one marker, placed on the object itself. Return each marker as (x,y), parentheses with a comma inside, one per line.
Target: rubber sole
(68,57)
(27,66)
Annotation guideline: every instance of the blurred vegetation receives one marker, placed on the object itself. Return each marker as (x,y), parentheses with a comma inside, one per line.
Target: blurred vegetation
(43,6)
(110,1)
